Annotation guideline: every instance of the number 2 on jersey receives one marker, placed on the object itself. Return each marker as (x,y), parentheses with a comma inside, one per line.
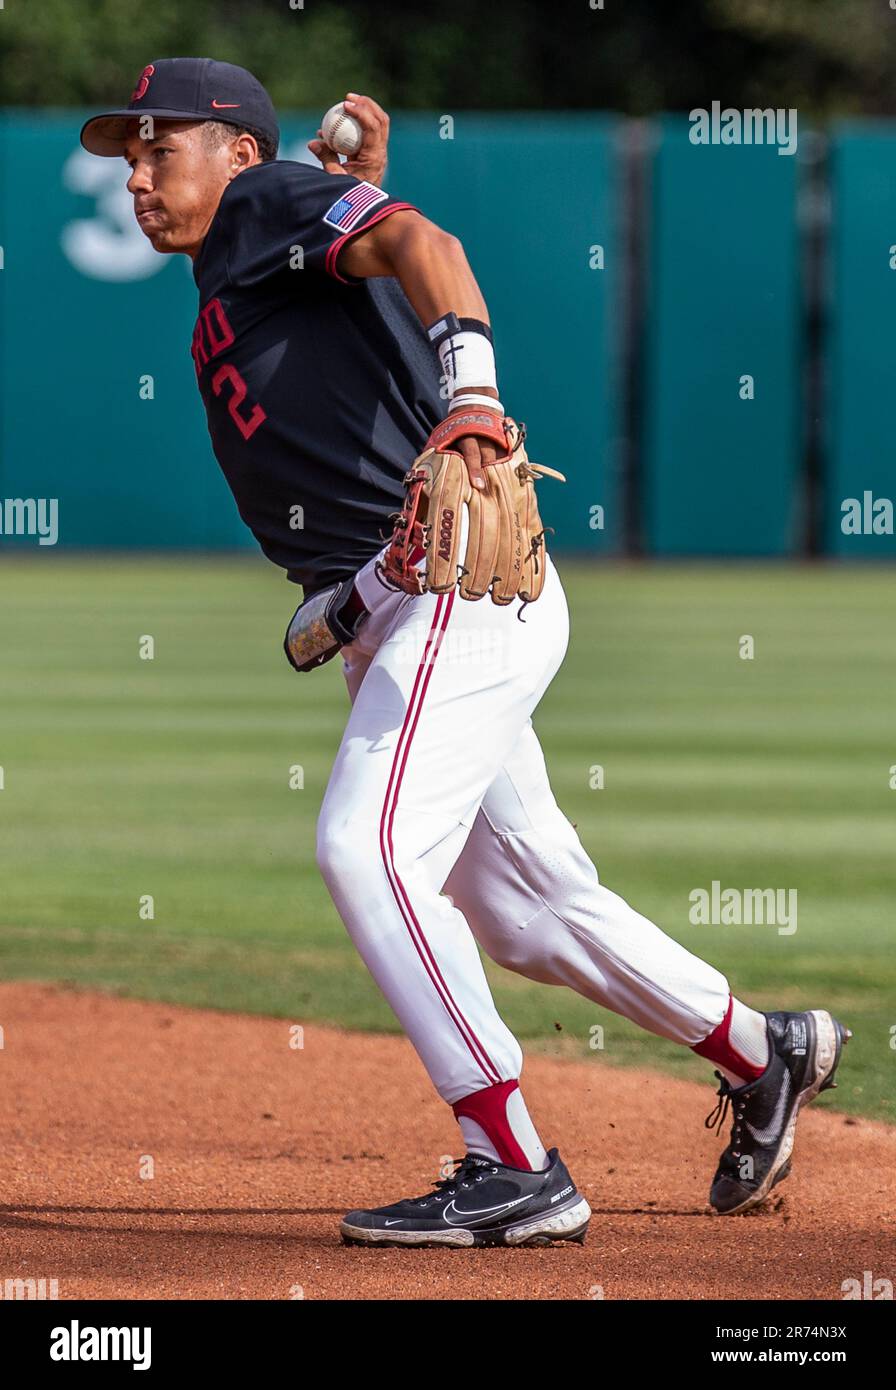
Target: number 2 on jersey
(248,424)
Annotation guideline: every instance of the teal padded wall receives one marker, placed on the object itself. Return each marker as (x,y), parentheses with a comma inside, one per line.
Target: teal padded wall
(89,309)
(721,474)
(860,348)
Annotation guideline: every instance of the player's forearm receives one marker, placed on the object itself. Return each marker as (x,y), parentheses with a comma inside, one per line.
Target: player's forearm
(432,268)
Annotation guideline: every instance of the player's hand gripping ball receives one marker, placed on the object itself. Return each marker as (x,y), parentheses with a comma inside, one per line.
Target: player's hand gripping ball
(341,131)
(505,548)
(359,128)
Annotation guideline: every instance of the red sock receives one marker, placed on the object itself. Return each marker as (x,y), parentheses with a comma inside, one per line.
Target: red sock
(718,1048)
(495,1122)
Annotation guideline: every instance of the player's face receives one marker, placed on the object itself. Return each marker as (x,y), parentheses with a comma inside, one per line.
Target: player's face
(177,179)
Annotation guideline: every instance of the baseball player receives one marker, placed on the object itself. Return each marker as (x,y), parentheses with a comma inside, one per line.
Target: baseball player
(330,315)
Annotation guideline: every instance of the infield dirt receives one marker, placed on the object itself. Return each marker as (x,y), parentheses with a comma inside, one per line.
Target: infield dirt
(257,1146)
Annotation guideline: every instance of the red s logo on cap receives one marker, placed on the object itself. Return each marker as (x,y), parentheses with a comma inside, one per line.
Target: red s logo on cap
(140,90)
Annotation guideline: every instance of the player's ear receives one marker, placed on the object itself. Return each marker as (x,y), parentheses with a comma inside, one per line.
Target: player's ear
(244,153)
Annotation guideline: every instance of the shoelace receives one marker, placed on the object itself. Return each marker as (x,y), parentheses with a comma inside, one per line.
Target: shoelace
(463,1167)
(716,1118)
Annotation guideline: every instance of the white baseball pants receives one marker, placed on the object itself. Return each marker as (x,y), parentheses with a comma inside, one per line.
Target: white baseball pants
(439,830)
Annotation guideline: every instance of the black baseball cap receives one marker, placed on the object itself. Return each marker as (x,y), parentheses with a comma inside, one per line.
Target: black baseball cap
(186,89)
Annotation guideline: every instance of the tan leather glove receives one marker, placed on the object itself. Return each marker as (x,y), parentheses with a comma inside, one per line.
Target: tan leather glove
(505,547)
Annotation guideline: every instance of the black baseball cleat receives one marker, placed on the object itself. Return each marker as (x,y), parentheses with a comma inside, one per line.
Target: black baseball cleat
(805,1053)
(483,1203)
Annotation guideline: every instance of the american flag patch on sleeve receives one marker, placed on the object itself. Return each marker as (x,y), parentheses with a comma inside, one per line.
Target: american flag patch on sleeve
(347,212)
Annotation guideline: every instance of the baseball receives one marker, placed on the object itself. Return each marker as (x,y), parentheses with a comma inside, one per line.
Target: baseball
(341,131)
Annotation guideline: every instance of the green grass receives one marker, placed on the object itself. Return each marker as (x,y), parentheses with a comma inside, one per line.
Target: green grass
(170,777)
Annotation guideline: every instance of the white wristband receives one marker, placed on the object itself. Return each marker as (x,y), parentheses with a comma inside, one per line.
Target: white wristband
(468,359)
(470,398)
(465,352)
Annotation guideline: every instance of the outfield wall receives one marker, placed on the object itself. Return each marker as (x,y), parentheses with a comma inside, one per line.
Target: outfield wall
(700,336)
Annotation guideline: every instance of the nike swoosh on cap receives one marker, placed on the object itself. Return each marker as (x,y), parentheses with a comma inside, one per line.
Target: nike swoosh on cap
(226,105)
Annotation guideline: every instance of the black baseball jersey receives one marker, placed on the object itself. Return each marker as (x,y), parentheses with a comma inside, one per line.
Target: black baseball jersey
(320,388)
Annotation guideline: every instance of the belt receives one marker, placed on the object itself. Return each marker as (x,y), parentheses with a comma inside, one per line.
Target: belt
(354,607)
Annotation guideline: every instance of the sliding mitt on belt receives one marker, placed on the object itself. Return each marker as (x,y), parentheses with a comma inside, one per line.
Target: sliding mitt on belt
(505,547)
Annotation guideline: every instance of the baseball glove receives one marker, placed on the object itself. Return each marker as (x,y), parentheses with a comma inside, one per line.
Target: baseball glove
(504,554)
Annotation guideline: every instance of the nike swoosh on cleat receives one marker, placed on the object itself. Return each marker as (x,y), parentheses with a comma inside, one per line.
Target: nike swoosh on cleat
(468,1218)
(766,1135)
